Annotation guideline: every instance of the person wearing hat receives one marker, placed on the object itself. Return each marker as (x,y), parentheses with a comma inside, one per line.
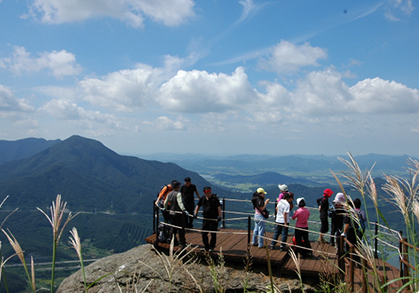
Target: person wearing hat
(284,190)
(259,206)
(177,212)
(188,190)
(301,228)
(323,203)
(337,217)
(212,216)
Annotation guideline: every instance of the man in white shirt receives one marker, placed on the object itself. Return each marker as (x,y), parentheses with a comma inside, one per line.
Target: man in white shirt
(282,221)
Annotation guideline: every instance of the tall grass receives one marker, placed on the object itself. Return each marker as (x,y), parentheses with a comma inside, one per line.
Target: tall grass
(403,194)
(57,214)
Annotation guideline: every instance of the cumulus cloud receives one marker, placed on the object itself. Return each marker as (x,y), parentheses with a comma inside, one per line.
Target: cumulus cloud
(324,93)
(168,12)
(201,92)
(378,96)
(321,93)
(165,123)
(122,90)
(66,110)
(60,63)
(9,103)
(287,57)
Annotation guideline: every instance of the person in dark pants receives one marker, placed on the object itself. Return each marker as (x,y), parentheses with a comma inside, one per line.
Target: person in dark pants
(188,190)
(301,228)
(212,216)
(337,217)
(177,213)
(323,204)
(350,228)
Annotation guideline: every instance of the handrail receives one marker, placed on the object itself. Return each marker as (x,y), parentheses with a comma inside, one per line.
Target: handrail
(404,241)
(342,257)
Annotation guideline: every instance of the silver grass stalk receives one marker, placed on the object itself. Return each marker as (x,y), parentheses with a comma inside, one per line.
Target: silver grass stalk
(19,252)
(397,195)
(297,263)
(57,213)
(76,243)
(33,273)
(357,178)
(415,209)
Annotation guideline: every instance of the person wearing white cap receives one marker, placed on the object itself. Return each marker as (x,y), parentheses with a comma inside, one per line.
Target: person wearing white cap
(301,228)
(337,216)
(259,203)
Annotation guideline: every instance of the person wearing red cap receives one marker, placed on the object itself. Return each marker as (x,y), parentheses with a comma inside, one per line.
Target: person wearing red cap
(323,203)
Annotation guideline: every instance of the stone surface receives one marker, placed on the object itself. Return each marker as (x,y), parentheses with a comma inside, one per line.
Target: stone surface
(142,269)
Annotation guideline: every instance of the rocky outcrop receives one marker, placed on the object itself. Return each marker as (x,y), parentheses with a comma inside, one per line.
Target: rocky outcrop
(142,269)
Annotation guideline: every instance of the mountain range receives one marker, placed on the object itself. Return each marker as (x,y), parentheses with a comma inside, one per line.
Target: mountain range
(115,192)
(89,176)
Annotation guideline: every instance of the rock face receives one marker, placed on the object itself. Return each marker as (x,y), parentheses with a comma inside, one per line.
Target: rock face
(143,269)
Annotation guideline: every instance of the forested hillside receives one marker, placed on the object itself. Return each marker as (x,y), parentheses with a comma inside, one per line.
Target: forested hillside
(113,192)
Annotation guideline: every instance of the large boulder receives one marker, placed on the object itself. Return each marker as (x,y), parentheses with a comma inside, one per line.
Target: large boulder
(143,269)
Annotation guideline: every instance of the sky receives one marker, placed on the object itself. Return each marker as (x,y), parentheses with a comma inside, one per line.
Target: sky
(213,76)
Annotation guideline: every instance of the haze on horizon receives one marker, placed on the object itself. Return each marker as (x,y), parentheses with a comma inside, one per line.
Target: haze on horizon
(213,77)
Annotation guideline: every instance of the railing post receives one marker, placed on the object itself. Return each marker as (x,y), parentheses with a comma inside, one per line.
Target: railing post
(183,229)
(401,266)
(224,212)
(248,230)
(364,271)
(341,261)
(155,217)
(376,241)
(406,258)
(351,268)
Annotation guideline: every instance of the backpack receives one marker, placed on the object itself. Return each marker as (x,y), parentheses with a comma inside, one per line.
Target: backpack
(362,226)
(163,234)
(160,202)
(257,202)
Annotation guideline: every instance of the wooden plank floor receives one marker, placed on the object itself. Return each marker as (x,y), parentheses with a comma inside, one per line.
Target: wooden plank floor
(391,273)
(233,244)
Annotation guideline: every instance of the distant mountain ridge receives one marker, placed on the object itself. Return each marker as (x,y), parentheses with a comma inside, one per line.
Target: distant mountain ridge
(23,148)
(89,176)
(262,179)
(290,165)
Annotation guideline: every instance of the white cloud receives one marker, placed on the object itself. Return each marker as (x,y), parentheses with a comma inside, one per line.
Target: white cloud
(66,110)
(288,57)
(169,12)
(202,92)
(324,93)
(321,93)
(9,103)
(60,63)
(165,123)
(123,90)
(249,9)
(397,9)
(378,96)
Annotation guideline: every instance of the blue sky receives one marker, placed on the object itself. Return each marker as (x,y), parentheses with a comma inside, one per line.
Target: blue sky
(213,77)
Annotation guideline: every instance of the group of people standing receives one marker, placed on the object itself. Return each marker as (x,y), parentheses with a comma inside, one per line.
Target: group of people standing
(178,208)
(284,205)
(342,219)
